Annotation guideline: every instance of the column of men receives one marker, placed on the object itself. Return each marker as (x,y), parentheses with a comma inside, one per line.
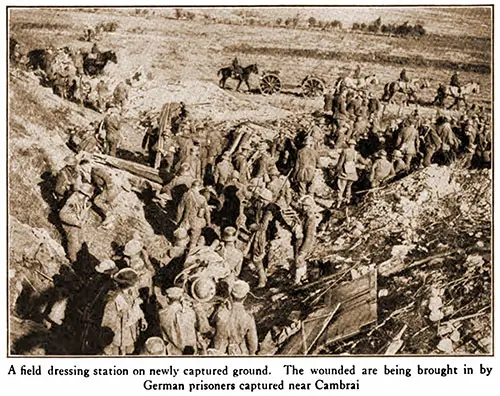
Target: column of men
(238,194)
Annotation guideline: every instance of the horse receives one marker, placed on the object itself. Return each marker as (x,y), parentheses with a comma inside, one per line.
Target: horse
(95,66)
(407,88)
(228,72)
(37,59)
(458,94)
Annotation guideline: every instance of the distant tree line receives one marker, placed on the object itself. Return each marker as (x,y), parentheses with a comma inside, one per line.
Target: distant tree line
(252,18)
(405,29)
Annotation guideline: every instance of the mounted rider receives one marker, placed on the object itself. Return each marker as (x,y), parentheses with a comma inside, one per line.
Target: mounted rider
(403,78)
(237,69)
(455,81)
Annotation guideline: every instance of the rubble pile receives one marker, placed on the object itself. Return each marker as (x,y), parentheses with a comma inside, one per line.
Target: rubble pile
(429,237)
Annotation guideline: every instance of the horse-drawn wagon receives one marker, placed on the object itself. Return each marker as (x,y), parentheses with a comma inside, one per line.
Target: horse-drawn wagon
(311,86)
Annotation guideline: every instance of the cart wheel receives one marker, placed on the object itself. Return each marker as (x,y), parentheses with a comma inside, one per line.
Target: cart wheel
(270,84)
(313,87)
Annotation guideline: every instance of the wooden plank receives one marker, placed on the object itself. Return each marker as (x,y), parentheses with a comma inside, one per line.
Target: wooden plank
(163,128)
(134,168)
(357,302)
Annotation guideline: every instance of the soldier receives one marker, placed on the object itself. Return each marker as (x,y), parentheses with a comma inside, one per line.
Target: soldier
(121,94)
(397,162)
(95,50)
(360,128)
(183,179)
(403,77)
(102,95)
(328,102)
(343,135)
(77,58)
(68,179)
(305,167)
(230,253)
(223,170)
(240,162)
(340,113)
(137,259)
(194,162)
(112,126)
(263,163)
(237,69)
(354,105)
(123,314)
(178,324)
(455,80)
(346,171)
(449,142)
(408,142)
(107,192)
(235,329)
(232,202)
(193,213)
(184,143)
(431,140)
(306,239)
(382,170)
(181,242)
(210,150)
(280,187)
(357,72)
(259,244)
(73,216)
(440,96)
(374,105)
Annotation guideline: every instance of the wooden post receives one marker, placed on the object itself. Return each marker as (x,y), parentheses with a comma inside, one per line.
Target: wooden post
(163,128)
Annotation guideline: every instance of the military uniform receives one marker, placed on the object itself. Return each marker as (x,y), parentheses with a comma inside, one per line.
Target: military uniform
(235,329)
(178,324)
(382,171)
(346,170)
(121,94)
(123,315)
(77,58)
(112,125)
(432,143)
(102,94)
(241,165)
(306,243)
(340,113)
(305,168)
(230,253)
(107,193)
(403,77)
(455,81)
(223,171)
(408,143)
(67,181)
(73,216)
(449,142)
(397,162)
(193,214)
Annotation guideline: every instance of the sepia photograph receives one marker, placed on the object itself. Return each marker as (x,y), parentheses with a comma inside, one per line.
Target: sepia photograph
(250,181)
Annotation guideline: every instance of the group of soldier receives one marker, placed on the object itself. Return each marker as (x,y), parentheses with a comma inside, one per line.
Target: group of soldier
(241,190)
(228,192)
